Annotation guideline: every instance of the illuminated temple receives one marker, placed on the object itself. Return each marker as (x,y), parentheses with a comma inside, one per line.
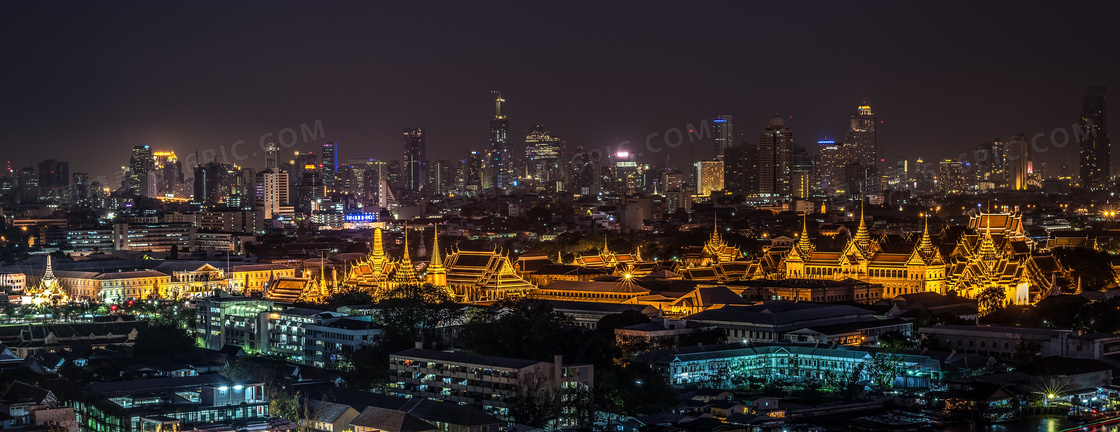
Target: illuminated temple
(50,291)
(993,252)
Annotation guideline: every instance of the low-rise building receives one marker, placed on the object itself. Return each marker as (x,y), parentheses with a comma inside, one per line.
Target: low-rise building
(237,321)
(781,321)
(26,339)
(721,365)
(491,383)
(126,406)
(1005,342)
(24,407)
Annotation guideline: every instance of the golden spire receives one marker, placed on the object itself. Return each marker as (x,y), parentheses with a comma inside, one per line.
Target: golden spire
(405,257)
(803,242)
(862,236)
(378,252)
(436,261)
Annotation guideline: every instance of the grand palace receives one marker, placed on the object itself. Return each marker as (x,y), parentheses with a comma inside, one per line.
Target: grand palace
(992,251)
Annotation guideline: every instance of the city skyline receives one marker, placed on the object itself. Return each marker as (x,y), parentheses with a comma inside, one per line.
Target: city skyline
(186,112)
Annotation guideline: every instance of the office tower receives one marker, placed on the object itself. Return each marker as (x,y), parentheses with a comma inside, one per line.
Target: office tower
(801,173)
(27,186)
(81,189)
(1096,147)
(723,130)
(330,163)
(1017,161)
(775,154)
(585,172)
(542,152)
(473,170)
(736,160)
(834,158)
(168,172)
(500,164)
(951,177)
(863,143)
(215,183)
(54,177)
(415,158)
(140,164)
(395,175)
(271,156)
(440,177)
(311,192)
(272,191)
(709,177)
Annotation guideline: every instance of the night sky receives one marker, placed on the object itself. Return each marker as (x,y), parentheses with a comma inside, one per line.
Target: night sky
(84,82)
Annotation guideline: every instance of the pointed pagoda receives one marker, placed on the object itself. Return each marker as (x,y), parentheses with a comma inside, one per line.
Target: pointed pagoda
(372,271)
(436,274)
(405,273)
(49,292)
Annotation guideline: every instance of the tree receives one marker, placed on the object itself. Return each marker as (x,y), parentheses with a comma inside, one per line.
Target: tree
(536,404)
(883,367)
(284,405)
(163,337)
(991,299)
(174,254)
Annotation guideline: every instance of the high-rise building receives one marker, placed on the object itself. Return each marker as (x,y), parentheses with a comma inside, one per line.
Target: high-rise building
(415,158)
(1017,159)
(542,152)
(330,163)
(775,156)
(834,158)
(272,191)
(1096,148)
(81,189)
(740,169)
(723,130)
(140,164)
(951,177)
(709,177)
(440,177)
(474,170)
(271,156)
(54,177)
(500,163)
(802,179)
(168,172)
(864,148)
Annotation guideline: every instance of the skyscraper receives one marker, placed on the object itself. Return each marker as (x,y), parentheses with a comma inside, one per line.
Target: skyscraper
(833,160)
(542,150)
(415,158)
(1017,161)
(271,156)
(500,164)
(709,177)
(54,177)
(1096,148)
(723,130)
(272,191)
(140,164)
(775,155)
(801,173)
(330,163)
(863,143)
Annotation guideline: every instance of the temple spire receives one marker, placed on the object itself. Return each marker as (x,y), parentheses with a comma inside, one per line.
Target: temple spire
(804,240)
(49,274)
(378,252)
(436,261)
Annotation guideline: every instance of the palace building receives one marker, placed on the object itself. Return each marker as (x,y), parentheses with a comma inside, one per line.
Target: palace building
(482,276)
(993,252)
(378,273)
